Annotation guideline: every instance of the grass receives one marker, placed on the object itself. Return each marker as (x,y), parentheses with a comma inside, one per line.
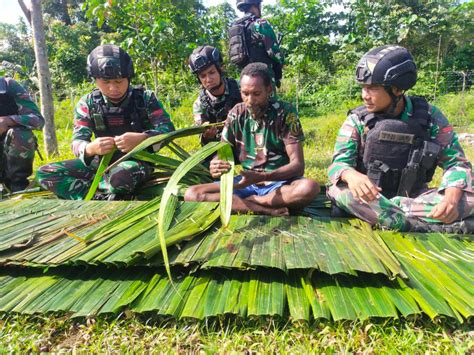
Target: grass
(20,333)
(40,334)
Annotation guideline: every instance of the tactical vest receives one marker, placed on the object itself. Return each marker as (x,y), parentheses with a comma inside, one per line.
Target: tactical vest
(217,111)
(246,46)
(115,121)
(8,105)
(398,156)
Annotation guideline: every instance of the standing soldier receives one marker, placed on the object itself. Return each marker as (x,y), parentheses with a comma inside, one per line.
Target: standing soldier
(120,117)
(387,151)
(252,39)
(19,115)
(218,94)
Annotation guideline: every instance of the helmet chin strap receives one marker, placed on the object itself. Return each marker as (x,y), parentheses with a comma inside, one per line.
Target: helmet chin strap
(395,100)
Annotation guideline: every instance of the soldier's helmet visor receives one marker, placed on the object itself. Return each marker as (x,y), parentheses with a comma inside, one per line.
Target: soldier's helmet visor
(109,68)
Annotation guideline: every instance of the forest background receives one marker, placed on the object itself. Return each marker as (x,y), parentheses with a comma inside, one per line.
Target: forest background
(322,43)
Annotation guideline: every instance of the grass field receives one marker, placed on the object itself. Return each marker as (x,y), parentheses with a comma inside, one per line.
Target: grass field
(128,333)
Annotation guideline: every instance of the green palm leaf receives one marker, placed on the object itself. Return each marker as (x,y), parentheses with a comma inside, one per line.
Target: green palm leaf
(170,195)
(104,162)
(227,184)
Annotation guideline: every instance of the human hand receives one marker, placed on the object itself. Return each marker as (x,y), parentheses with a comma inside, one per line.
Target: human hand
(100,146)
(250,177)
(361,187)
(127,141)
(218,167)
(210,133)
(447,211)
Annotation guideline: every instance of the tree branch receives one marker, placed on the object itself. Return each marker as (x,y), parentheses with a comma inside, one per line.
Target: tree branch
(25,10)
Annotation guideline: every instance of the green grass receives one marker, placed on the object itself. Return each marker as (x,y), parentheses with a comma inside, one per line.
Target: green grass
(127,333)
(31,333)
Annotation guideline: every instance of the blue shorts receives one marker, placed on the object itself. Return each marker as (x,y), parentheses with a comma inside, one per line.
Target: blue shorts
(260,190)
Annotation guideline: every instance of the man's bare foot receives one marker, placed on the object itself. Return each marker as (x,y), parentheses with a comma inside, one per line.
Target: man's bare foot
(283,211)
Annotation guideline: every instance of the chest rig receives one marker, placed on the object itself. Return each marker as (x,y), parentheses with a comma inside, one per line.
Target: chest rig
(217,111)
(8,105)
(398,156)
(117,120)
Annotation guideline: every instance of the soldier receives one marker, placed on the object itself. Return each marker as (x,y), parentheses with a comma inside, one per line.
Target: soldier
(266,138)
(252,39)
(218,93)
(120,117)
(19,115)
(387,151)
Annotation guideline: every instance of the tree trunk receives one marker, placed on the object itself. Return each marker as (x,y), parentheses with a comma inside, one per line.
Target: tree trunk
(44,75)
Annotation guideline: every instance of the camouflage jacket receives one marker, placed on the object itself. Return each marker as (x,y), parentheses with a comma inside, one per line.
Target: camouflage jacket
(457,169)
(29,115)
(158,121)
(261,145)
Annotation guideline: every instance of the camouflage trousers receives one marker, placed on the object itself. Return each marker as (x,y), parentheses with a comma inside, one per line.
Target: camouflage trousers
(17,146)
(393,213)
(71,179)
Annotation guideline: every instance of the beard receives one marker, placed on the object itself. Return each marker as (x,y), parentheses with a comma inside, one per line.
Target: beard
(258,111)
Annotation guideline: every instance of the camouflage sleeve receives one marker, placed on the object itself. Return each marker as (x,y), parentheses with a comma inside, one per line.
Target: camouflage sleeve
(160,119)
(457,169)
(346,148)
(198,113)
(82,129)
(292,130)
(29,115)
(272,47)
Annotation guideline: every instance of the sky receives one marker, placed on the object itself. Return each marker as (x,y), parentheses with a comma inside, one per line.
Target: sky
(10,11)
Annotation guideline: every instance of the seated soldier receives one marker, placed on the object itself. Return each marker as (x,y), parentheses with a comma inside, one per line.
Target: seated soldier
(387,151)
(120,117)
(266,138)
(218,94)
(19,115)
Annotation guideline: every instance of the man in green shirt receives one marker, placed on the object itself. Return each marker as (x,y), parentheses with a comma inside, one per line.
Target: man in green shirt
(266,138)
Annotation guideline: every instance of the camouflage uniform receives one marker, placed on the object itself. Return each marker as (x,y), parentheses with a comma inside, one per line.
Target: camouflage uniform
(223,103)
(263,37)
(260,145)
(392,213)
(18,143)
(71,179)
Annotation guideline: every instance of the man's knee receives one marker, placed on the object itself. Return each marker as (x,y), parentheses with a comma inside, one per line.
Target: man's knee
(306,189)
(121,182)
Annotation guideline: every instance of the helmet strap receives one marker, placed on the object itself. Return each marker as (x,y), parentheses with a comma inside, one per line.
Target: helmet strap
(395,100)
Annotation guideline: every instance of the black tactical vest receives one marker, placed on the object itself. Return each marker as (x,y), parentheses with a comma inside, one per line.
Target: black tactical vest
(217,111)
(8,105)
(398,156)
(246,46)
(117,120)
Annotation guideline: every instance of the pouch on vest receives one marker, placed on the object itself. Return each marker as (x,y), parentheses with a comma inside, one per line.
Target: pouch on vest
(238,46)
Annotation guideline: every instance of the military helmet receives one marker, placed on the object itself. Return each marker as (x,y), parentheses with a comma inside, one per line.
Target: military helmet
(109,62)
(203,57)
(387,65)
(241,4)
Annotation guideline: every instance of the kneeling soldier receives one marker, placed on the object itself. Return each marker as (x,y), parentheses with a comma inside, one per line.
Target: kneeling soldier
(218,94)
(120,117)
(387,151)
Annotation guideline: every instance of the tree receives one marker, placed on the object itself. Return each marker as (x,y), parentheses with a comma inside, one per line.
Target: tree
(35,15)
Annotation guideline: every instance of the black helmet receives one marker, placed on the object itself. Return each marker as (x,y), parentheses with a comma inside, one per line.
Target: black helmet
(242,4)
(109,62)
(203,57)
(387,65)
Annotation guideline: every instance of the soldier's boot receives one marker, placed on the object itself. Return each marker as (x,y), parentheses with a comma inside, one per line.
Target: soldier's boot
(17,173)
(465,226)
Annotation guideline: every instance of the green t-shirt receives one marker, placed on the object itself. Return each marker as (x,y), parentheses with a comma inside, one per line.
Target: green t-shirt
(261,145)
